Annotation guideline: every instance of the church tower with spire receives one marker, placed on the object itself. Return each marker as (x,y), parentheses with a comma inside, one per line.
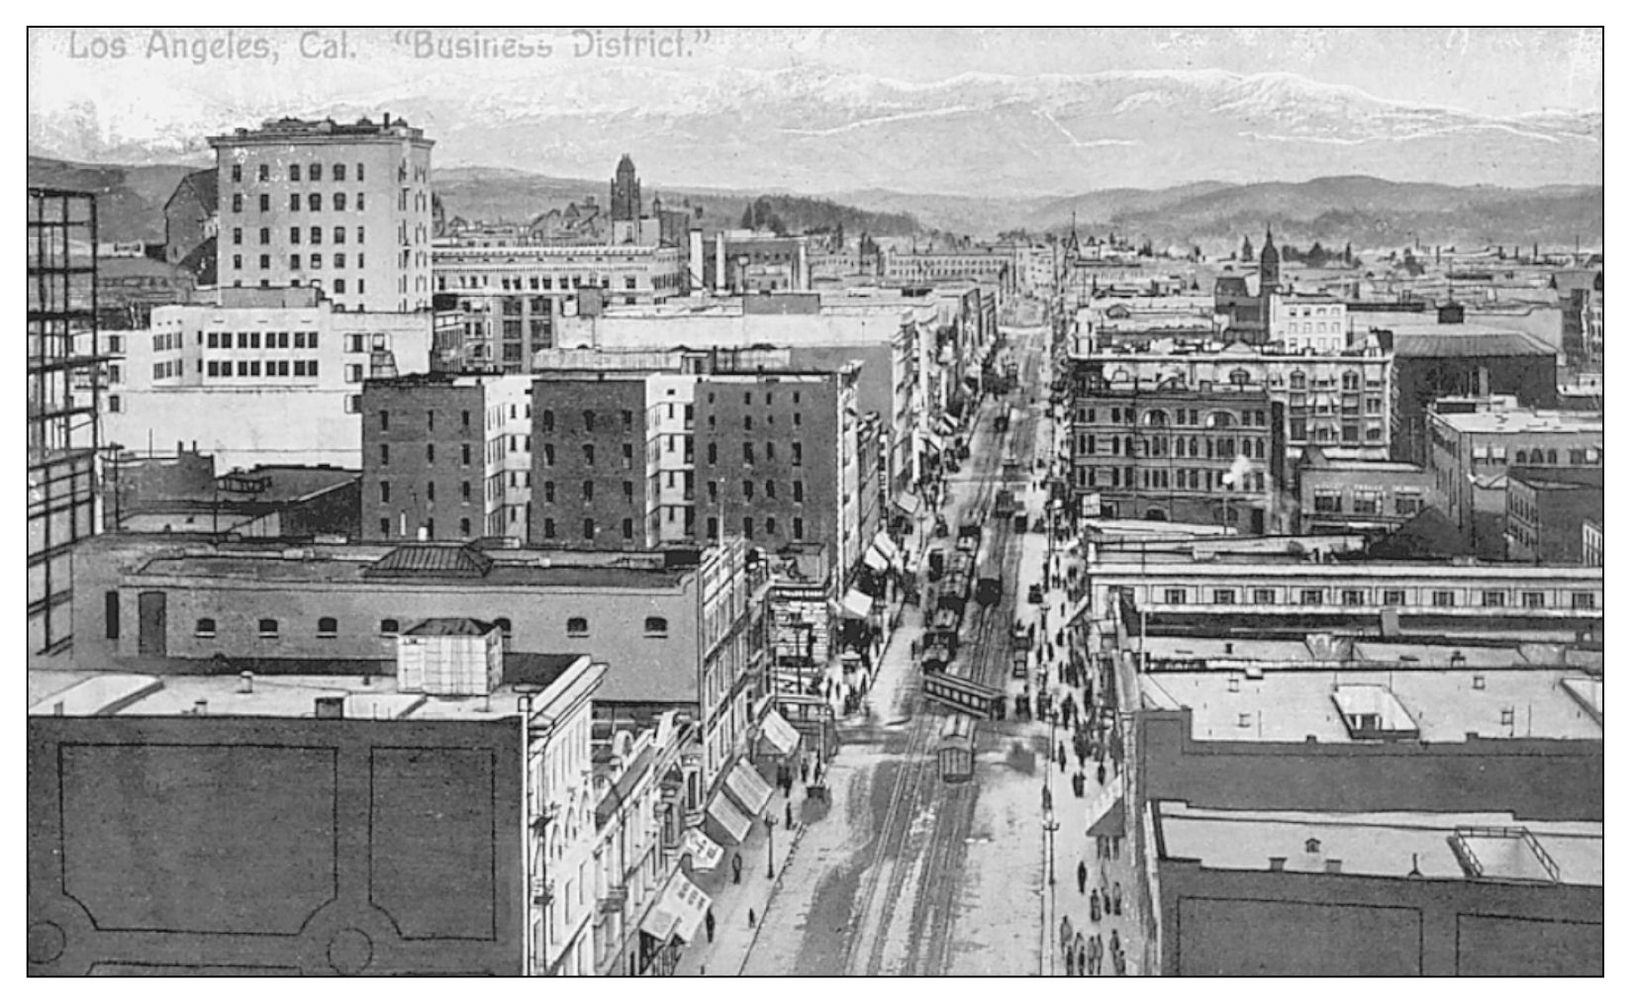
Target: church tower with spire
(626,192)
(1269,265)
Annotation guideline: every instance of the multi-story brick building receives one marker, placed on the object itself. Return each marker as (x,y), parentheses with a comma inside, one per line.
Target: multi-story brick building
(446,457)
(1470,453)
(1176,455)
(270,376)
(345,207)
(778,464)
(594,445)
(1338,402)
(1547,508)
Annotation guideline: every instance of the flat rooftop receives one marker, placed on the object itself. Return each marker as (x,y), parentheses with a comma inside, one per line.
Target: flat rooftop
(1235,653)
(84,694)
(275,569)
(1444,705)
(1386,844)
(1510,422)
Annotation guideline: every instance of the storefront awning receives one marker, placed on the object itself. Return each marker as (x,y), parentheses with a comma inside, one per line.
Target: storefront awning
(875,560)
(703,850)
(885,545)
(748,788)
(908,501)
(856,604)
(947,425)
(729,818)
(935,442)
(1110,824)
(678,912)
(782,736)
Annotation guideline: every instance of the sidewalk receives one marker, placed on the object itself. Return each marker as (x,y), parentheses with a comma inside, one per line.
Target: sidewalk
(733,937)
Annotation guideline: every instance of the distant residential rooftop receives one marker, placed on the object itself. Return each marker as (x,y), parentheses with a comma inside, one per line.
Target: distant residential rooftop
(1445,705)
(1492,847)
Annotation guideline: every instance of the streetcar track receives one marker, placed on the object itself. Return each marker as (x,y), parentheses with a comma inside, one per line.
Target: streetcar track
(930,925)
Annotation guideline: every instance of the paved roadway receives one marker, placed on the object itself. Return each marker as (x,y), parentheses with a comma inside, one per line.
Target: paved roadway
(908,875)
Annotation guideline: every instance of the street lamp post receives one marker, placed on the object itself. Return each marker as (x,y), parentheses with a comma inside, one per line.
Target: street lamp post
(770,834)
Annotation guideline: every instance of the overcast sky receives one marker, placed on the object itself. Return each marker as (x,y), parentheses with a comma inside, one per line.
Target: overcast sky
(1498,72)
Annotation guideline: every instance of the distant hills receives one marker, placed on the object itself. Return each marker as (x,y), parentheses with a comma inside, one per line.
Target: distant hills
(1363,210)
(479,193)
(130,199)
(1335,210)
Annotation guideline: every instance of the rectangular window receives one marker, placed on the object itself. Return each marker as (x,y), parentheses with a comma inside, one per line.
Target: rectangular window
(1493,598)
(1535,599)
(1264,595)
(1583,601)
(1394,598)
(1224,597)
(1310,596)
(1445,598)
(1173,595)
(1354,598)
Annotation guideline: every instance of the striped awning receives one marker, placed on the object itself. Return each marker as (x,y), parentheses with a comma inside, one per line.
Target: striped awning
(884,544)
(947,425)
(908,501)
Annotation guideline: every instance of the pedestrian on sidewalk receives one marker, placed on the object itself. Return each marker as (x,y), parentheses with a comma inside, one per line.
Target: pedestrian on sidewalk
(1117,899)
(708,923)
(788,815)
(804,769)
(1082,876)
(1060,754)
(1099,773)
(736,867)
(751,918)
(1094,905)
(1060,638)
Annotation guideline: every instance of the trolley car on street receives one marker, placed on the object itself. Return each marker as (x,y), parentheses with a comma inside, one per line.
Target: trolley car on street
(956,754)
(965,696)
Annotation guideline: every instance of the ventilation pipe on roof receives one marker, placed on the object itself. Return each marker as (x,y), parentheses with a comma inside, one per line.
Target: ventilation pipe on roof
(246,682)
(201,706)
(1278,863)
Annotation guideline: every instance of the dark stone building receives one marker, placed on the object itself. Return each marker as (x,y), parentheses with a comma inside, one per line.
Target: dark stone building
(1462,360)
(1203,457)
(1546,508)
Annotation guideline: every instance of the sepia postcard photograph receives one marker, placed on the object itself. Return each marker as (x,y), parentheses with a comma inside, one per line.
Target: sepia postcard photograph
(815,502)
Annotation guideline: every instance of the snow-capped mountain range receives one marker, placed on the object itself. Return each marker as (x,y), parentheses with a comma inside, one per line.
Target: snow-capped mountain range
(821,131)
